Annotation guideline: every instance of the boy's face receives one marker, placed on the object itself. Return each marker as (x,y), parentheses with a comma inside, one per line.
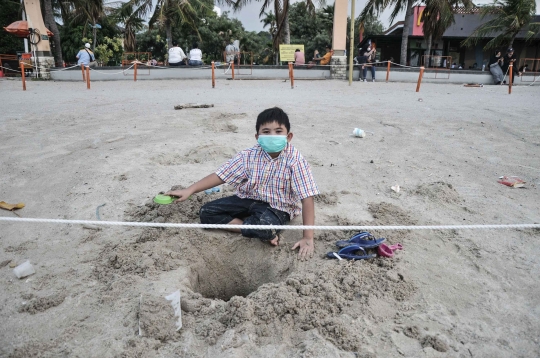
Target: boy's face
(274,128)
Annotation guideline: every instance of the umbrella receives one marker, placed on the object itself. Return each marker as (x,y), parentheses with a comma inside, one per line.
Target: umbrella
(20,29)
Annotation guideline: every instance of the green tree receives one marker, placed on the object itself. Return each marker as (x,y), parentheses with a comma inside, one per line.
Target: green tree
(9,12)
(89,12)
(509,17)
(309,28)
(129,16)
(371,25)
(153,41)
(110,50)
(270,20)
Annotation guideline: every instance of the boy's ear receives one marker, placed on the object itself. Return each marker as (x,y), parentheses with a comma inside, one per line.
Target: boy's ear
(289,137)
(256,136)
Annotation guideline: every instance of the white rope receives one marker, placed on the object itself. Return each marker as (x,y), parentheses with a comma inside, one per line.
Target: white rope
(280,227)
(9,69)
(397,64)
(114,73)
(64,69)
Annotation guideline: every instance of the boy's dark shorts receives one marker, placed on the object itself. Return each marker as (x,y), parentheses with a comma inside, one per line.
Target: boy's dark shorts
(253,212)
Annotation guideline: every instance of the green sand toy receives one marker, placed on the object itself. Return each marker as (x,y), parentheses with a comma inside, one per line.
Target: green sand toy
(164,199)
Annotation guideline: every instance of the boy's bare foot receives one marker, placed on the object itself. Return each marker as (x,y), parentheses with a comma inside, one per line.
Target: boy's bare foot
(275,241)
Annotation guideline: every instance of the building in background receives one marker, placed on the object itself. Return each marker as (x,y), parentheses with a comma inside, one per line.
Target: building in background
(466,21)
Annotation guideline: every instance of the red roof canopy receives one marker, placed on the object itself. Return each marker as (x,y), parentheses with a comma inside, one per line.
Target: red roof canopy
(20,29)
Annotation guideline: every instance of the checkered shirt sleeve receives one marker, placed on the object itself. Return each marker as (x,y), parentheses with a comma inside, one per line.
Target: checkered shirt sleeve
(233,172)
(302,180)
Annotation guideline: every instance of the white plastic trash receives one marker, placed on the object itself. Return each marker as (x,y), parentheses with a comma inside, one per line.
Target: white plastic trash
(357,132)
(24,269)
(175,302)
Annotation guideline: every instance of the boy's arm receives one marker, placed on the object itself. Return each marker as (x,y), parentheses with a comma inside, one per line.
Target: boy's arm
(207,182)
(306,245)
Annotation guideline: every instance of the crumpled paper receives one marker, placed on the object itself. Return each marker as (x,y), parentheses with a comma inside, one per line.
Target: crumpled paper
(11,207)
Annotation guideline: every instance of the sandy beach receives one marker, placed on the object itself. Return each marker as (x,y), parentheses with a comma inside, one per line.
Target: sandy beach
(72,153)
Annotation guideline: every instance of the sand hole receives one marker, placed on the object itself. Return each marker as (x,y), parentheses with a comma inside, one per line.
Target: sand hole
(239,269)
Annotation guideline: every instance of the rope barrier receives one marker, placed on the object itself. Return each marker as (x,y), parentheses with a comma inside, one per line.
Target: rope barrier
(115,73)
(266,227)
(9,69)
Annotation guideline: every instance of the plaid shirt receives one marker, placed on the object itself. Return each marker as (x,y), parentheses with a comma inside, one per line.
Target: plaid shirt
(281,182)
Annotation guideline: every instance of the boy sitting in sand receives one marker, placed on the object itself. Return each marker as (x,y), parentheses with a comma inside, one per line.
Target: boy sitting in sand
(270,179)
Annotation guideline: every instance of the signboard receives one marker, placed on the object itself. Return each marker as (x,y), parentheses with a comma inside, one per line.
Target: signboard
(286,52)
(418,23)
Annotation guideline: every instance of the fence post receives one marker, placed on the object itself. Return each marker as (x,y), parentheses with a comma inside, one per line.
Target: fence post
(213,76)
(510,79)
(420,79)
(292,75)
(135,72)
(23,77)
(82,70)
(232,70)
(87,77)
(388,71)
(289,64)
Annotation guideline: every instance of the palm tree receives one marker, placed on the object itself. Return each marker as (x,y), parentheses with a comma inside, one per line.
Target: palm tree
(129,16)
(327,18)
(168,13)
(50,22)
(377,6)
(269,19)
(281,10)
(438,16)
(509,18)
(89,11)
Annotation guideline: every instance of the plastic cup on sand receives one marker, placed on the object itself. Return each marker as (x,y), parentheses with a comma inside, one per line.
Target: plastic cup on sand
(164,199)
(24,269)
(360,133)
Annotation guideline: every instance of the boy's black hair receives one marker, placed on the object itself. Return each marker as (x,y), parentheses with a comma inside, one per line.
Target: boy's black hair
(270,115)
(174,43)
(195,45)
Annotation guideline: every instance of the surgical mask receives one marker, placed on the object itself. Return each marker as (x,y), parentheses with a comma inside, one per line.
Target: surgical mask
(272,143)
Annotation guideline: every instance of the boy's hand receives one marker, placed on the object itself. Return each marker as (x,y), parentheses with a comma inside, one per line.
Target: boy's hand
(306,246)
(182,195)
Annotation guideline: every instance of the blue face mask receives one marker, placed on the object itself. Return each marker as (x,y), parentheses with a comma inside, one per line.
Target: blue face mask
(272,143)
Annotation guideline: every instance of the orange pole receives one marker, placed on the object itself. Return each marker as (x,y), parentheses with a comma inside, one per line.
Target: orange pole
(289,64)
(23,77)
(388,71)
(420,79)
(82,70)
(232,70)
(292,76)
(510,79)
(135,72)
(213,76)
(87,77)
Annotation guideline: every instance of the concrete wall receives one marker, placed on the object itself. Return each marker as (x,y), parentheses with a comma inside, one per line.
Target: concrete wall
(275,73)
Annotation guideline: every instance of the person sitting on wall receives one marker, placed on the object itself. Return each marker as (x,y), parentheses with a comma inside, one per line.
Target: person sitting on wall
(86,57)
(325,60)
(299,58)
(509,59)
(495,67)
(176,55)
(366,60)
(195,56)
